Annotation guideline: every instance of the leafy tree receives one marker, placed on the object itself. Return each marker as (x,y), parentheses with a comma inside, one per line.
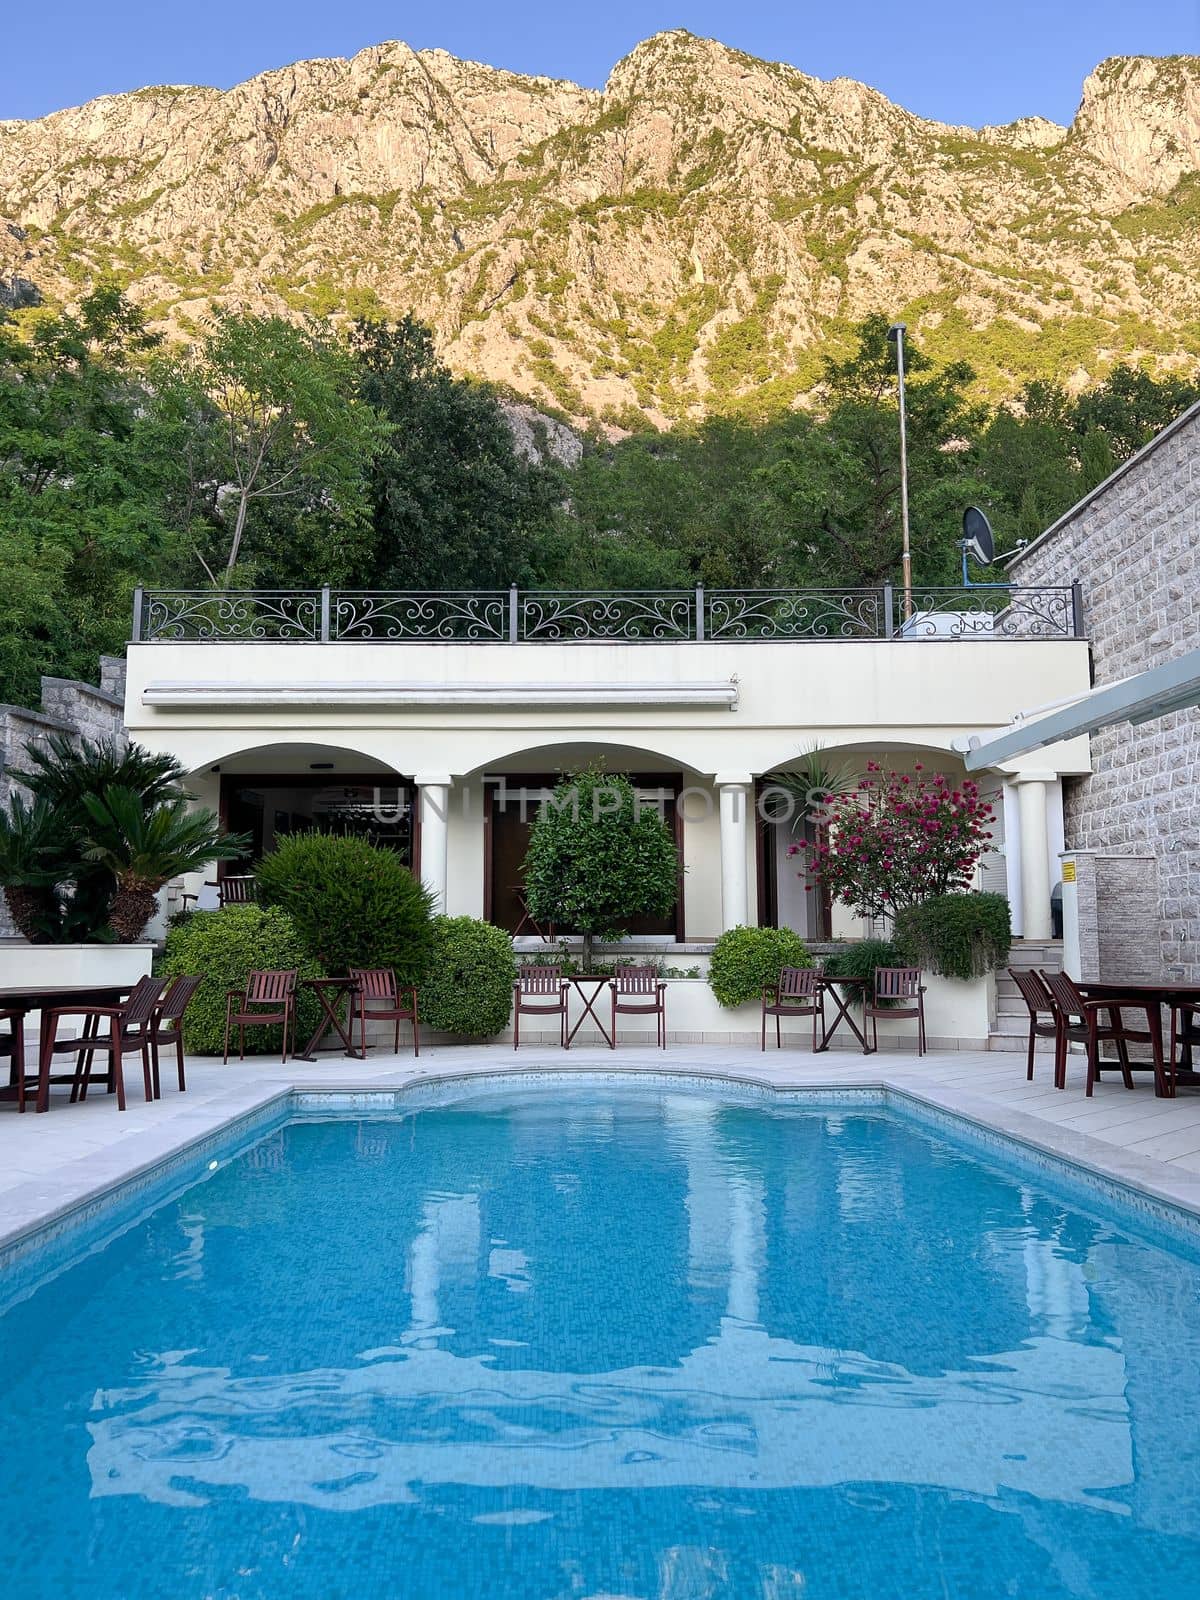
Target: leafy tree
(453,505)
(276,416)
(598,859)
(832,486)
(81,481)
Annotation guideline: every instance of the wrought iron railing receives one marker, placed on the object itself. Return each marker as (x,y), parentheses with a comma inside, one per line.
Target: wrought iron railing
(520,616)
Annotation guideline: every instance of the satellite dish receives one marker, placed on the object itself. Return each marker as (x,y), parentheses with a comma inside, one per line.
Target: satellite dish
(977,539)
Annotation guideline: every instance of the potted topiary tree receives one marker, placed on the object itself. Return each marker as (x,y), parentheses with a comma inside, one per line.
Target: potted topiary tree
(598,858)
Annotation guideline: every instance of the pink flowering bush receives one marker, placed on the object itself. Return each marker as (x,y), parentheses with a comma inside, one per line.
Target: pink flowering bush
(899,839)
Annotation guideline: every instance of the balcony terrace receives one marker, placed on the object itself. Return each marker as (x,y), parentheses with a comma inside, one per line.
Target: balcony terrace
(522,616)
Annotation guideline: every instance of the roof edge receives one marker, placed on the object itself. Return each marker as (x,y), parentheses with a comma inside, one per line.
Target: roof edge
(1191,414)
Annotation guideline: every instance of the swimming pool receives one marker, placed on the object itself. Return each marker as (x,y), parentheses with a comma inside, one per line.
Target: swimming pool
(580,1341)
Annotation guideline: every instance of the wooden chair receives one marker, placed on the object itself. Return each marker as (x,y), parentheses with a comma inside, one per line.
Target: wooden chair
(1185,1032)
(166,1026)
(127,1031)
(1037,999)
(379,983)
(542,992)
(639,991)
(892,985)
(12,1045)
(1079,1023)
(274,990)
(237,889)
(798,993)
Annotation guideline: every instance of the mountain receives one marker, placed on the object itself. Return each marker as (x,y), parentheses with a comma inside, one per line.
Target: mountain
(692,237)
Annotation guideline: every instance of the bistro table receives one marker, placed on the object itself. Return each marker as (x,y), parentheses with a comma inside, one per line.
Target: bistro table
(1150,998)
(330,993)
(599,984)
(844,992)
(44,998)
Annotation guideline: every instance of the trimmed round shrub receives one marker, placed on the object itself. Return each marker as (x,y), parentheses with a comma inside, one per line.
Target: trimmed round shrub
(745,961)
(956,935)
(226,946)
(470,982)
(354,903)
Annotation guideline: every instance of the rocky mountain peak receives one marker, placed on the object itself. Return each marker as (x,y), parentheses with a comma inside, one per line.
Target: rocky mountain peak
(692,237)
(1140,115)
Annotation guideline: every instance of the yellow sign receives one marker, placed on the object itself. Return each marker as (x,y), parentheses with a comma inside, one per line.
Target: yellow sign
(1068,872)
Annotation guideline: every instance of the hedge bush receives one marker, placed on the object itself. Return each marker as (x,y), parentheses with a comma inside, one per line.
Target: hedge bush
(745,960)
(859,960)
(956,935)
(469,986)
(225,946)
(354,904)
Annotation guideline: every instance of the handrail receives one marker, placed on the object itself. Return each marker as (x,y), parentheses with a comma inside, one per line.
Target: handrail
(624,616)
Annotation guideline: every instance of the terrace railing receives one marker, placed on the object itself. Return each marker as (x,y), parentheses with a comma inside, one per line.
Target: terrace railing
(533,616)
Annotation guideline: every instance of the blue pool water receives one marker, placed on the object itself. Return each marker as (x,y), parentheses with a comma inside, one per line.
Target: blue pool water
(584,1343)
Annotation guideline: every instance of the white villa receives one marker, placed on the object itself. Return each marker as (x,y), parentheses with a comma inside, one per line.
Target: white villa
(436,721)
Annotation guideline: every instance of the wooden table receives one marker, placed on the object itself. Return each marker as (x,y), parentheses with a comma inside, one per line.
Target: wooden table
(599,984)
(1151,998)
(852,992)
(45,998)
(330,993)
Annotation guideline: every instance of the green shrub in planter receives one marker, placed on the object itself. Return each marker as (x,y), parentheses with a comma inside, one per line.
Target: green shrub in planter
(956,935)
(745,960)
(469,986)
(225,946)
(859,960)
(354,904)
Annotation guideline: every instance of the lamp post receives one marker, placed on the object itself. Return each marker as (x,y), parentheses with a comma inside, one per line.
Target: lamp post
(896,337)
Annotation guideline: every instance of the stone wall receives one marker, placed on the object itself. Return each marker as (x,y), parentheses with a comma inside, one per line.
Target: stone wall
(82,710)
(1134,546)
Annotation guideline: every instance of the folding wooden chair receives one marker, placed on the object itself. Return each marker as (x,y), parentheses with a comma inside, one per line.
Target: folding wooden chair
(892,985)
(274,990)
(1037,998)
(639,991)
(166,1027)
(128,1025)
(798,993)
(540,992)
(379,984)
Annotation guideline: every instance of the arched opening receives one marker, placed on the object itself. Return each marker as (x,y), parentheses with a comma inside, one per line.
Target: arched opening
(272,791)
(515,786)
(790,896)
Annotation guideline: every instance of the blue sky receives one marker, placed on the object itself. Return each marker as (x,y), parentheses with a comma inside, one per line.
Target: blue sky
(970,61)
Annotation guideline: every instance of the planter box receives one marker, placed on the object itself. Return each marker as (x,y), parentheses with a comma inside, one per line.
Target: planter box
(958,1016)
(25,965)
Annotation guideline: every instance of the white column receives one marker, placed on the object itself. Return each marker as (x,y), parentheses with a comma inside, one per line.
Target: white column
(1035,852)
(735,790)
(434,788)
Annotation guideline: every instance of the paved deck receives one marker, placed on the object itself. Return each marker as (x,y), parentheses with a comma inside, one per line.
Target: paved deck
(51,1162)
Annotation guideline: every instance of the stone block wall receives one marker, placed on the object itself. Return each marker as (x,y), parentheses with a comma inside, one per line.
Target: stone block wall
(1134,546)
(81,710)
(1118,905)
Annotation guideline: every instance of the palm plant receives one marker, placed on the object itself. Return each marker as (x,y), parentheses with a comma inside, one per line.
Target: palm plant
(30,863)
(65,774)
(143,846)
(802,792)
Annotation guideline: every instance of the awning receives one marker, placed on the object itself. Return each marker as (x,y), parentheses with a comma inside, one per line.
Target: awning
(1170,687)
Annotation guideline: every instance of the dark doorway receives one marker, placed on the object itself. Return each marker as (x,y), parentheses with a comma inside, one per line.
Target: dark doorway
(269,808)
(511,806)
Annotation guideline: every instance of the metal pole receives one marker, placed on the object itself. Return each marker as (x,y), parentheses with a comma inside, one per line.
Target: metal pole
(898,329)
